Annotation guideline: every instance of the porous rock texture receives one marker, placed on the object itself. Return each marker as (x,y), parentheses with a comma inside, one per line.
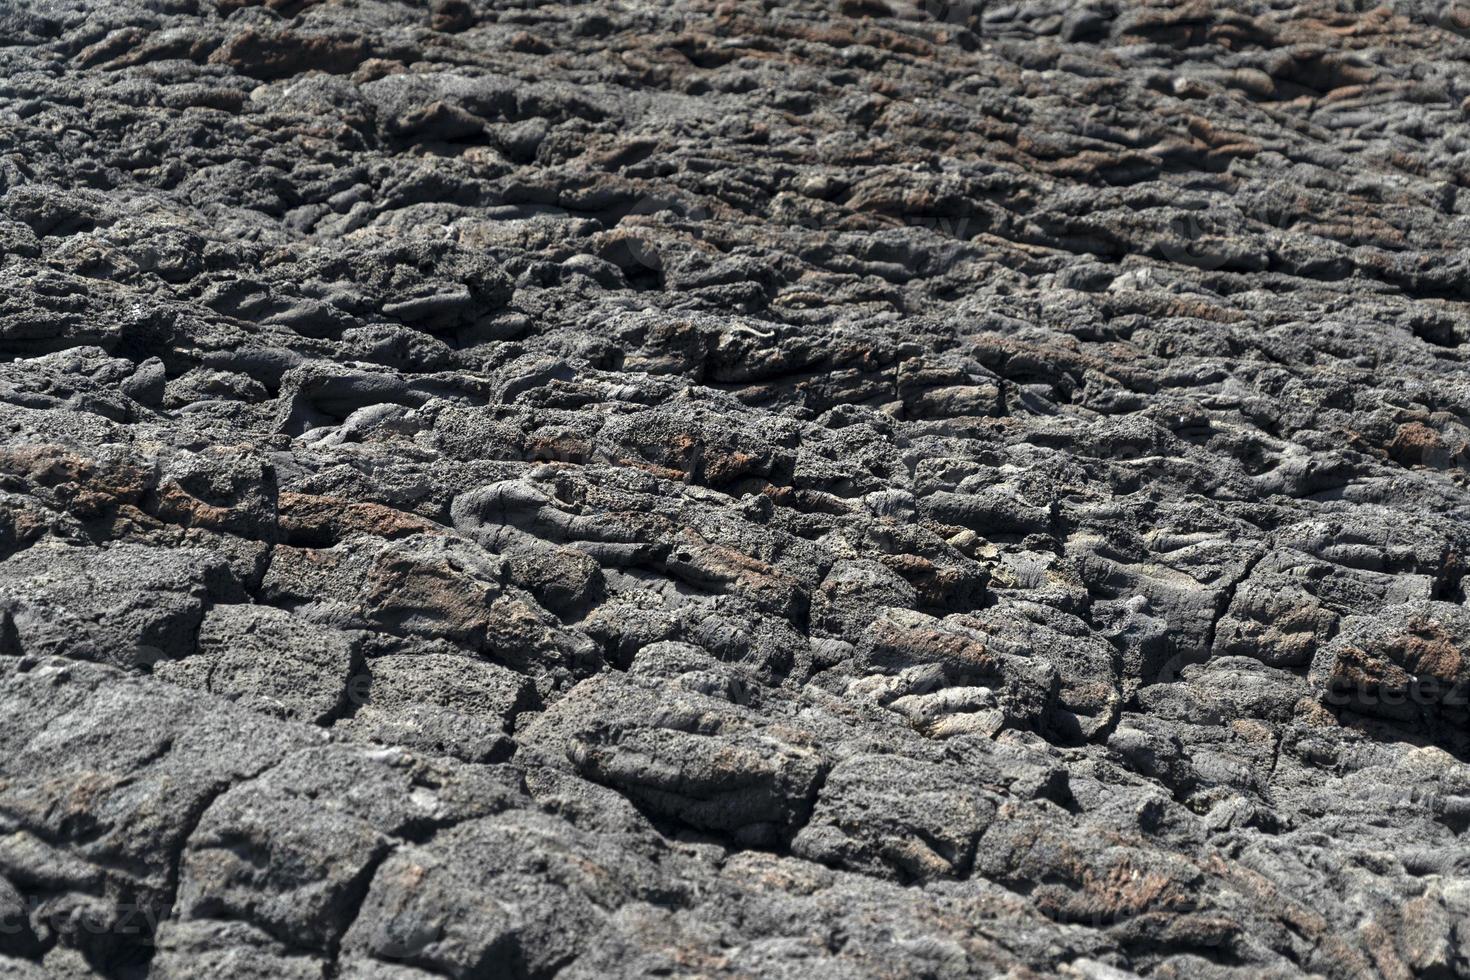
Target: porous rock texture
(818,489)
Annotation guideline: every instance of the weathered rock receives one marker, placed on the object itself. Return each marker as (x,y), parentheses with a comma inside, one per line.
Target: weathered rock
(700,761)
(855,489)
(888,814)
(127,605)
(516,892)
(438,703)
(267,660)
(106,776)
(266,853)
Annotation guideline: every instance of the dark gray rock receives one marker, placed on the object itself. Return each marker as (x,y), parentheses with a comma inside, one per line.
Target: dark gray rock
(107,776)
(895,816)
(856,489)
(128,604)
(516,892)
(438,703)
(700,760)
(265,853)
(268,661)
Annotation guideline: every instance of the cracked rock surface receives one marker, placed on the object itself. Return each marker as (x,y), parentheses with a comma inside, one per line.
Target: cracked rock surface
(839,488)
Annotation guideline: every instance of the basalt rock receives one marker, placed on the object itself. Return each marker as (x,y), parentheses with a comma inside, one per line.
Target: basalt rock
(822,489)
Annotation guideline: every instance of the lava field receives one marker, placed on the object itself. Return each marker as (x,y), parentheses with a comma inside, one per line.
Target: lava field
(821,490)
